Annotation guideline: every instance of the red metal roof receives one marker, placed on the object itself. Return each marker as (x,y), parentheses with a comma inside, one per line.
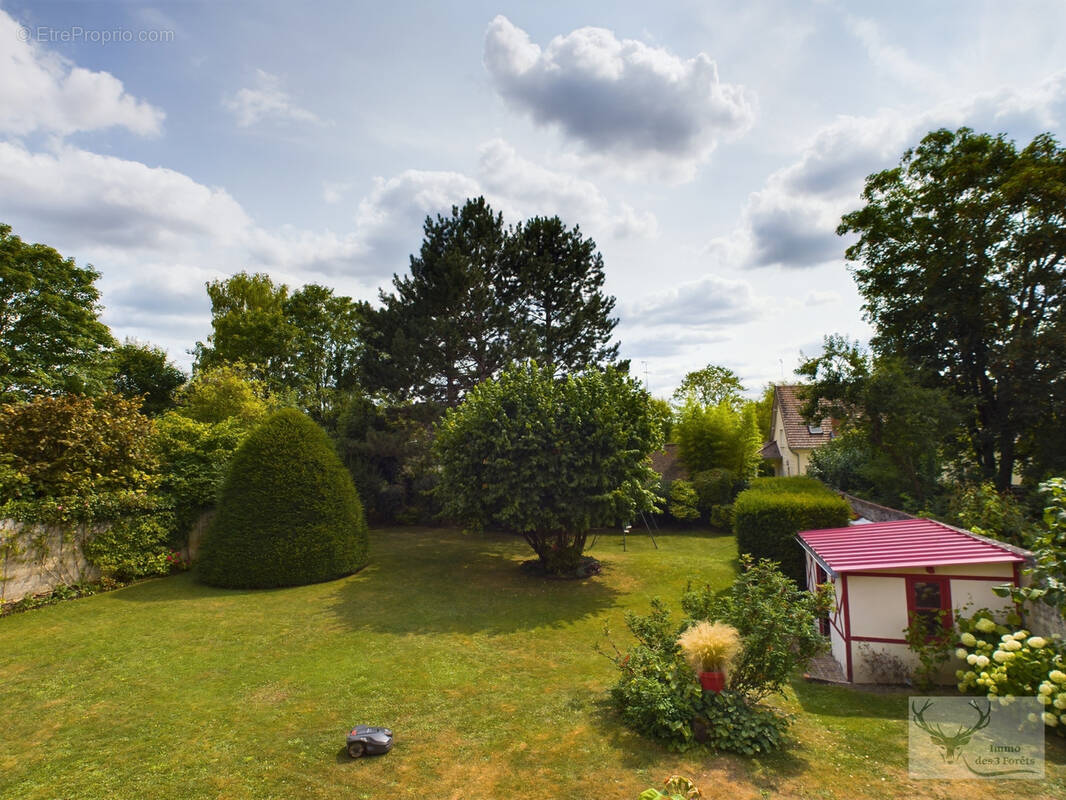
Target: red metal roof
(901,543)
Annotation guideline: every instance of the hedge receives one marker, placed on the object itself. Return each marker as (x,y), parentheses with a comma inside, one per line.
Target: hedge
(768,515)
(288,513)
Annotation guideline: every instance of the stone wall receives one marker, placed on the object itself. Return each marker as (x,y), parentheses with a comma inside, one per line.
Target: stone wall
(37,558)
(1042,619)
(873,511)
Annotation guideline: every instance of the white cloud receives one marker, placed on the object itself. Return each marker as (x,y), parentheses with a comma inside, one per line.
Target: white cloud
(709,302)
(267,101)
(893,60)
(619,97)
(41,92)
(791,221)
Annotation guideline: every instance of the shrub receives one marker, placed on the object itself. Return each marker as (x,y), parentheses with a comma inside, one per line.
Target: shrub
(288,513)
(769,514)
(718,436)
(776,622)
(930,641)
(682,505)
(729,723)
(135,540)
(75,447)
(722,517)
(715,487)
(709,646)
(1002,663)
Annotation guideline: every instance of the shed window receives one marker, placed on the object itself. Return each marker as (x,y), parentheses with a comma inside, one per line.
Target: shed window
(927,596)
(814,428)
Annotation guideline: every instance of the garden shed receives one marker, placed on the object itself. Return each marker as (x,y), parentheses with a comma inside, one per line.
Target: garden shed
(884,571)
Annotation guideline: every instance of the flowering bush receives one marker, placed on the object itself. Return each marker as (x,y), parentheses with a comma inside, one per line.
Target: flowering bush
(1003,664)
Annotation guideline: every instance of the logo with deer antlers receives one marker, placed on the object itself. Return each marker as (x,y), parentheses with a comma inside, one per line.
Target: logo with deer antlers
(998,756)
(951,745)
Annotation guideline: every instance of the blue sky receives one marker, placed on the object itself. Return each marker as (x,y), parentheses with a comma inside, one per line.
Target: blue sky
(709,148)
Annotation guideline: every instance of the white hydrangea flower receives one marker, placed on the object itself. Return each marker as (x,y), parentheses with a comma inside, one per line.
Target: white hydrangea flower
(1012,645)
(1057,675)
(968,639)
(982,662)
(1050,719)
(1043,699)
(1001,656)
(971,659)
(1060,702)
(961,654)
(1036,642)
(1019,635)
(985,625)
(1047,687)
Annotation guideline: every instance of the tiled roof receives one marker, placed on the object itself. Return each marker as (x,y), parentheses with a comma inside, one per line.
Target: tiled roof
(770,450)
(668,464)
(799,437)
(902,543)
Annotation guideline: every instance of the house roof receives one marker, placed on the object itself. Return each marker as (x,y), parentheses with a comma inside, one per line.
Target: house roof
(667,463)
(902,543)
(770,450)
(799,437)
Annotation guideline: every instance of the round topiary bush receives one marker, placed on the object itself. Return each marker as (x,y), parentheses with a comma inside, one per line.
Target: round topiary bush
(288,513)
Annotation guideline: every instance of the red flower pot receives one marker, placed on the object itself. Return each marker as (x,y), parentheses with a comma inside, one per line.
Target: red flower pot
(712,681)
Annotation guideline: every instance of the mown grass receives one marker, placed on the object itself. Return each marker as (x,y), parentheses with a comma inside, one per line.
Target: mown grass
(487,676)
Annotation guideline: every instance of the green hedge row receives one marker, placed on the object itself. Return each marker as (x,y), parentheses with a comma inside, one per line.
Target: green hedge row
(769,514)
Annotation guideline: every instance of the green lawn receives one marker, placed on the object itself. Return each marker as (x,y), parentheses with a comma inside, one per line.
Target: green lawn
(488,678)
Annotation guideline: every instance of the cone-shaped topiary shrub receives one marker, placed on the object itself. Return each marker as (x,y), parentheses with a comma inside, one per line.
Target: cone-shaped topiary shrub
(288,513)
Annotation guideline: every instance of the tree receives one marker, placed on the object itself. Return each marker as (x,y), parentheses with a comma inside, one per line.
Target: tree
(549,458)
(220,393)
(51,339)
(326,346)
(961,250)
(444,329)
(141,370)
(249,325)
(553,282)
(710,386)
(718,436)
(288,513)
(906,425)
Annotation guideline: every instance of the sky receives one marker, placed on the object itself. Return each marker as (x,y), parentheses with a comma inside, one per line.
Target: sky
(709,148)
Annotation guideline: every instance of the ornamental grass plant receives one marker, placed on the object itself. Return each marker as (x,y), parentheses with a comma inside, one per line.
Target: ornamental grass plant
(709,646)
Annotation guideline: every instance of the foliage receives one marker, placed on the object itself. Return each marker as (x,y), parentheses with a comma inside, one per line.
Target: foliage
(683,501)
(288,513)
(549,458)
(733,724)
(845,464)
(57,595)
(69,446)
(193,457)
(51,339)
(677,788)
(216,394)
(444,328)
(657,692)
(1047,575)
(553,284)
(961,250)
(902,425)
(479,297)
(721,517)
(768,515)
(711,386)
(135,540)
(980,508)
(776,620)
(249,326)
(141,370)
(1002,663)
(387,450)
(716,487)
(709,646)
(718,436)
(664,413)
(930,641)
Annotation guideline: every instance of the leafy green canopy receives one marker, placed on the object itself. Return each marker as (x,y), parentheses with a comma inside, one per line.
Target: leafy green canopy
(288,513)
(549,458)
(50,338)
(961,252)
(142,370)
(719,436)
(710,386)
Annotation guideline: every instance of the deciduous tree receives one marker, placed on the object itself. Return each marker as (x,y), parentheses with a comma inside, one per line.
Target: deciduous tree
(960,261)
